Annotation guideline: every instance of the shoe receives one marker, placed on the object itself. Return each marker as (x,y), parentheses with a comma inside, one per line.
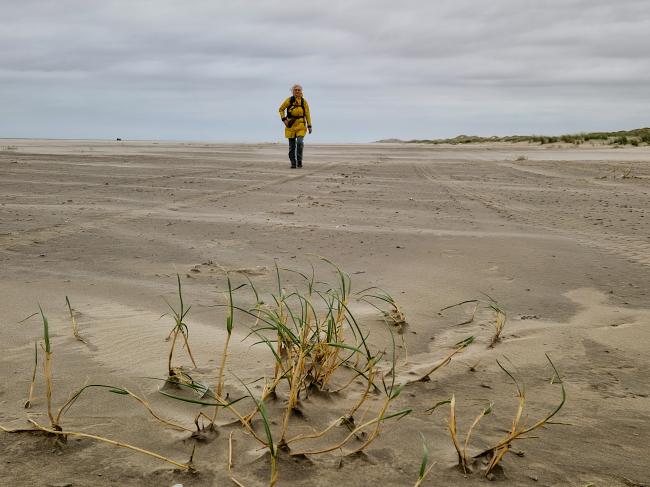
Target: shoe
(299,165)
(293,167)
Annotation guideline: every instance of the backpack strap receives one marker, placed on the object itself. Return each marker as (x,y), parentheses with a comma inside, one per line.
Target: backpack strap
(292,104)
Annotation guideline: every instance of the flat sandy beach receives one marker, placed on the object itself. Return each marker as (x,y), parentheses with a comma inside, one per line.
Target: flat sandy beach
(558,236)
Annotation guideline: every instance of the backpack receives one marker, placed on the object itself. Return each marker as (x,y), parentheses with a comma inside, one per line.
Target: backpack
(290,119)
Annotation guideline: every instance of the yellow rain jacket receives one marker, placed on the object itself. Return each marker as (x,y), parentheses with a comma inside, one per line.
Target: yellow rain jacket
(298,115)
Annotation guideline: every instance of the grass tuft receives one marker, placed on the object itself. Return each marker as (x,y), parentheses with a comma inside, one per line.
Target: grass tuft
(180,328)
(500,316)
(519,429)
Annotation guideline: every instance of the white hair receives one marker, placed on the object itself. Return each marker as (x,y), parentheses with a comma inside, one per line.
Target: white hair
(296,86)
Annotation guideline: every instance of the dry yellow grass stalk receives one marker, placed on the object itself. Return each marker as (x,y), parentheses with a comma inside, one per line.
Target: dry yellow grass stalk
(518,430)
(73,320)
(182,466)
(460,346)
(47,372)
(117,390)
(30,398)
(454,434)
(230,464)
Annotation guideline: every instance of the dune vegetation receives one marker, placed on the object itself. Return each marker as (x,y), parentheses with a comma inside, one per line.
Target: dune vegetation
(315,345)
(635,137)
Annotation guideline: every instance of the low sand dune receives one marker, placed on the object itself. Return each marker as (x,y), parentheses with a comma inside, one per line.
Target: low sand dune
(558,236)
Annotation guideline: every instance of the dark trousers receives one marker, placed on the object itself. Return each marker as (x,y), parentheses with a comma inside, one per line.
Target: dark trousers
(295,151)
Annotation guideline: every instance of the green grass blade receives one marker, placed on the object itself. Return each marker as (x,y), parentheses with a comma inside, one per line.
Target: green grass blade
(265,419)
(459,304)
(46,330)
(425,457)
(399,414)
(197,401)
(437,405)
(25,319)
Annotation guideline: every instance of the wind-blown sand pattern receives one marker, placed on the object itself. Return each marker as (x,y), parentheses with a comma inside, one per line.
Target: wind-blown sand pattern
(559,236)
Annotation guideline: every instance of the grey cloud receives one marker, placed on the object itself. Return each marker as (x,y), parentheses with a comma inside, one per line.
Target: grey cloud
(218,69)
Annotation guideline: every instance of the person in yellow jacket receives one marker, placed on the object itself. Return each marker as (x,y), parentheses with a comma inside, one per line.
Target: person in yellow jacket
(294,112)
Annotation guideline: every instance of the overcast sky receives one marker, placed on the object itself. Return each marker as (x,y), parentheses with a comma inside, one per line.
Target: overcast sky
(218,70)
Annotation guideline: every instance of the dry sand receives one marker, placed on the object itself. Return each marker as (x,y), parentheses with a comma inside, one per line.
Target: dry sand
(560,236)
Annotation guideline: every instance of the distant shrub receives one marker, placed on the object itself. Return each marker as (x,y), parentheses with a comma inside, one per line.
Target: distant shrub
(622,140)
(571,139)
(596,136)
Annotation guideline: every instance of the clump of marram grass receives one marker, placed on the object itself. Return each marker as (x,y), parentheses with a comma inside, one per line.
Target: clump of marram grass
(519,429)
(305,333)
(180,328)
(493,455)
(626,172)
(317,344)
(391,391)
(311,348)
(394,315)
(464,461)
(500,316)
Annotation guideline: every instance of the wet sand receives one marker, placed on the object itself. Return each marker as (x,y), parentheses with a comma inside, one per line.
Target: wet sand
(558,236)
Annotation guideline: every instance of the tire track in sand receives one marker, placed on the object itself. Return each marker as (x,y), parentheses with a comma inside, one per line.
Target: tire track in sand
(9,241)
(628,246)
